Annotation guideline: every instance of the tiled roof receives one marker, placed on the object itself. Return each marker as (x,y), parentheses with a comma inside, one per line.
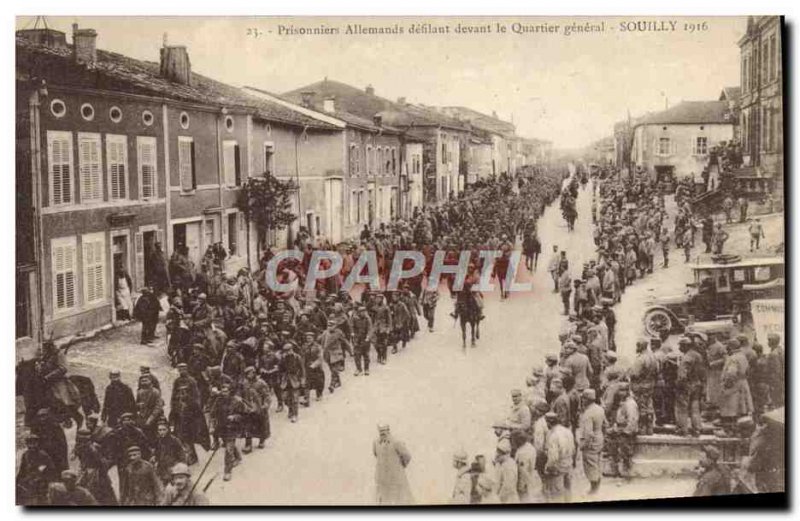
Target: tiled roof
(358,102)
(690,112)
(730,94)
(117,72)
(481,120)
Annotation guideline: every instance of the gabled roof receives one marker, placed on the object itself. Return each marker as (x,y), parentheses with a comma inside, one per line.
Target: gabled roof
(481,120)
(116,72)
(357,102)
(690,113)
(730,94)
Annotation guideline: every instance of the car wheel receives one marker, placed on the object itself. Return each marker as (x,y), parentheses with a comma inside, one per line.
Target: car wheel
(657,320)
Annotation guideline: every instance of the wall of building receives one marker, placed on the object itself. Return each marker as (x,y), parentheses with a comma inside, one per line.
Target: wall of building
(682,153)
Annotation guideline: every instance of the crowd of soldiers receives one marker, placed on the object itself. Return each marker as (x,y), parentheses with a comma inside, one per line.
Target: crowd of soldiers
(581,402)
(238,348)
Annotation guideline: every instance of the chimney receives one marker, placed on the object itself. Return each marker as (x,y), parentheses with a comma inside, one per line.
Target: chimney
(84,45)
(370,90)
(175,64)
(329,104)
(378,120)
(307,97)
(401,100)
(494,114)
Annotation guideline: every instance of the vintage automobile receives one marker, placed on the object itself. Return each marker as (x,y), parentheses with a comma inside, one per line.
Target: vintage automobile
(721,291)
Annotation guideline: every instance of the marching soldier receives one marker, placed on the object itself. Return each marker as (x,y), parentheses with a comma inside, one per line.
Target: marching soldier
(623,433)
(334,345)
(167,452)
(292,377)
(140,486)
(560,453)
(118,399)
(643,378)
(36,471)
(67,492)
(362,338)
(255,393)
(180,492)
(590,439)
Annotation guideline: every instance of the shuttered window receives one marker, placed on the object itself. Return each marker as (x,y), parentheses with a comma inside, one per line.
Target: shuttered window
(94,267)
(90,163)
(146,156)
(186,163)
(59,159)
(63,269)
(117,165)
(231,163)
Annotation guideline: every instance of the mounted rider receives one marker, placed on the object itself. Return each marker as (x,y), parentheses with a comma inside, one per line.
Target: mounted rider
(463,297)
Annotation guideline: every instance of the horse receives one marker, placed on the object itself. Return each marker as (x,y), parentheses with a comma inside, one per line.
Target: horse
(38,394)
(468,313)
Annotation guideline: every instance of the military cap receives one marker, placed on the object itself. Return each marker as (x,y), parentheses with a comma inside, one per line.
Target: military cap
(43,412)
(162,421)
(461,456)
(202,296)
(94,416)
(712,452)
(68,474)
(114,373)
(570,345)
(577,339)
(133,448)
(538,371)
(541,407)
(32,437)
(611,355)
(249,369)
(734,344)
(655,342)
(642,342)
(742,338)
(589,394)
(288,345)
(745,421)
(516,392)
(684,341)
(83,434)
(624,386)
(144,369)
(550,415)
(383,427)
(504,446)
(126,415)
(181,469)
(182,365)
(774,336)
(551,358)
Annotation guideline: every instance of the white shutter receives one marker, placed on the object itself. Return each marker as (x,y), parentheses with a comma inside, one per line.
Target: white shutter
(63,270)
(146,147)
(229,162)
(59,154)
(138,248)
(94,280)
(117,161)
(673,146)
(90,162)
(186,168)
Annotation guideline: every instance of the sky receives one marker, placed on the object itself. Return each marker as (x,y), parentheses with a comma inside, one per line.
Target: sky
(567,89)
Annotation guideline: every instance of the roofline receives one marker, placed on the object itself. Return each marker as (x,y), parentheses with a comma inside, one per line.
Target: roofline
(297,108)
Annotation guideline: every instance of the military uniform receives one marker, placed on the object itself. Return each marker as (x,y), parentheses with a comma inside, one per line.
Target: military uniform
(643,378)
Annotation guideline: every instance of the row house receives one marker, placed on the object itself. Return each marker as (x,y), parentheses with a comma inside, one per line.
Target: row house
(761,99)
(674,143)
(369,159)
(116,155)
(505,143)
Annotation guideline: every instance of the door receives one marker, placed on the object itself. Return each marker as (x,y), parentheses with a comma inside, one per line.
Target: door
(192,237)
(334,209)
(119,265)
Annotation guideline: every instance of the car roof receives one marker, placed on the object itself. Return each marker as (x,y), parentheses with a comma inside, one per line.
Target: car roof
(744,263)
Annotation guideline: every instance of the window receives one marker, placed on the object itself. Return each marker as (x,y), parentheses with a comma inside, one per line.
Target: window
(700,146)
(233,233)
(745,72)
(394,161)
(773,58)
(230,161)
(380,203)
(186,163)
(59,159)
(58,108)
(269,158)
(90,165)
(663,146)
(87,112)
(368,160)
(765,63)
(147,118)
(184,118)
(229,123)
(353,207)
(94,261)
(148,173)
(209,233)
(63,269)
(115,114)
(117,165)
(444,152)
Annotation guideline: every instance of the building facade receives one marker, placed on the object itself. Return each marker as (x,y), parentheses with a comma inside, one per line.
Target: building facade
(674,143)
(761,102)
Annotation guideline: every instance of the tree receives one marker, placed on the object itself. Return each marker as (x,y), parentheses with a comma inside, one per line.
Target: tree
(267,203)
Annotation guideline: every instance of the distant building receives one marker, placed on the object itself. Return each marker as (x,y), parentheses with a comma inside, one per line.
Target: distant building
(761,102)
(733,95)
(674,143)
(501,133)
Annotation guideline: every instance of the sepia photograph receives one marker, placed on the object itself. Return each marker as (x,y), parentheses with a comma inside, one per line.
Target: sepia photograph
(399,260)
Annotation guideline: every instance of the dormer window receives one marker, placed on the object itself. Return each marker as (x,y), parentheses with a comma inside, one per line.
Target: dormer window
(147,118)
(58,108)
(87,112)
(229,123)
(184,120)
(115,114)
